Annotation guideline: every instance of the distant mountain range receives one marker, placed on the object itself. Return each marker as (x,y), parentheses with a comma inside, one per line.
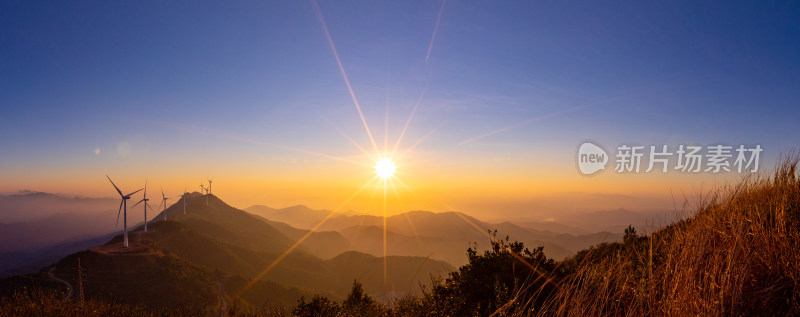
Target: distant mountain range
(27,206)
(443,236)
(298,216)
(214,250)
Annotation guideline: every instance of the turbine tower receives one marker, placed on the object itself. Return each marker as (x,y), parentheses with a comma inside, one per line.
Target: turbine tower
(204,191)
(123,205)
(164,201)
(208,190)
(146,204)
(185,193)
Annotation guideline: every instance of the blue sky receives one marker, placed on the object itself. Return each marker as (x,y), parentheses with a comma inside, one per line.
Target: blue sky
(183,84)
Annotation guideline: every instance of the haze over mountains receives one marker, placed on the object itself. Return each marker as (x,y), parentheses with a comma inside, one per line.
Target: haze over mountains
(216,249)
(42,227)
(442,236)
(38,228)
(27,205)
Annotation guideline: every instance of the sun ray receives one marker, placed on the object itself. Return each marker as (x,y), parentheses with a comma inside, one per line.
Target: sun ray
(435,30)
(425,89)
(384,231)
(425,137)
(407,163)
(323,155)
(522,123)
(485,232)
(374,192)
(410,191)
(383,169)
(303,238)
(386,124)
(636,92)
(410,223)
(410,117)
(222,134)
(344,74)
(386,110)
(419,268)
(360,148)
(360,224)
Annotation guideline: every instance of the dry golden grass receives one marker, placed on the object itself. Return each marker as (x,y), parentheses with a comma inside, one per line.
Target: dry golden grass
(738,255)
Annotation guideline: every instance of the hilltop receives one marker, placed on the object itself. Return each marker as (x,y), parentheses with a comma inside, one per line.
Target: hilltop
(213,251)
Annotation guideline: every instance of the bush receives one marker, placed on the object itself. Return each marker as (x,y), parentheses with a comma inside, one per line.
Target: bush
(507,279)
(318,306)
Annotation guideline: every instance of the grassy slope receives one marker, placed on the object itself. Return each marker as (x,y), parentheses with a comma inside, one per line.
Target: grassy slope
(738,255)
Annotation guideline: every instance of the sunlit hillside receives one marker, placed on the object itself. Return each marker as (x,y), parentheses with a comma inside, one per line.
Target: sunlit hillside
(737,256)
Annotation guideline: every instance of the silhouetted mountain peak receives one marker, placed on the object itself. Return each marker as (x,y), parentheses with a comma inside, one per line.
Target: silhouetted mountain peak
(419,213)
(297,208)
(26,192)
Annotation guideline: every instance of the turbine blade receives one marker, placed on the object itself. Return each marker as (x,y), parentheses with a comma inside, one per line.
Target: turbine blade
(115,185)
(139,202)
(140,189)
(119,211)
(151,207)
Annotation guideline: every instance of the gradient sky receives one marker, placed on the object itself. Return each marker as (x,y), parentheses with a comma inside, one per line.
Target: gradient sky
(244,91)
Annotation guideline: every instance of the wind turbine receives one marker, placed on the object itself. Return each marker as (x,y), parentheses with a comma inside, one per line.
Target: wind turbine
(123,204)
(185,193)
(145,201)
(204,192)
(164,201)
(208,190)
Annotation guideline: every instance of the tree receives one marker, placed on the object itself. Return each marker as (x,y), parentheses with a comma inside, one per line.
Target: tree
(317,306)
(630,235)
(359,303)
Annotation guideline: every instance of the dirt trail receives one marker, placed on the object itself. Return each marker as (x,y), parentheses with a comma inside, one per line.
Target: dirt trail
(222,302)
(67,284)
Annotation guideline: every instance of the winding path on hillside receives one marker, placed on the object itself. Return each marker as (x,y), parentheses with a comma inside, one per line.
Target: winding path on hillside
(67,284)
(222,302)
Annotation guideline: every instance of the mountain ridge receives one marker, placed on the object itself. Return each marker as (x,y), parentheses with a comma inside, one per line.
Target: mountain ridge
(216,243)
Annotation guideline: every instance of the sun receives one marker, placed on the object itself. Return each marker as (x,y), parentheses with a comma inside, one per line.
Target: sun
(385,168)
